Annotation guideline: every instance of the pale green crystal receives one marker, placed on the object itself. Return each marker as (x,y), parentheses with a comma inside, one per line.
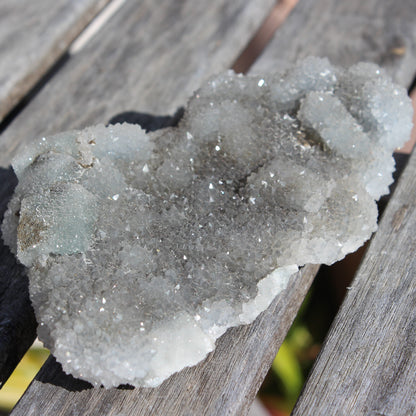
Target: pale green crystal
(142,249)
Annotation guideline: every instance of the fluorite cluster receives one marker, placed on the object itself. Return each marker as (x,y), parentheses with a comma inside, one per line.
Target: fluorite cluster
(142,249)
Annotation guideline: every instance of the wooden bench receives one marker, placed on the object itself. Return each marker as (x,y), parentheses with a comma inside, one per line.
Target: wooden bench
(149,57)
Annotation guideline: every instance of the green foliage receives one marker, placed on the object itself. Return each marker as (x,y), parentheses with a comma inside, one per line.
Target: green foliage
(288,366)
(21,377)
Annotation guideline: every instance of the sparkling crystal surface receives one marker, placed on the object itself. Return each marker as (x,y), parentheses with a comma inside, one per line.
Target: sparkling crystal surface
(142,249)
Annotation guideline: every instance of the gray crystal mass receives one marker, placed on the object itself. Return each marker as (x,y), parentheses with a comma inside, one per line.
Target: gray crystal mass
(142,249)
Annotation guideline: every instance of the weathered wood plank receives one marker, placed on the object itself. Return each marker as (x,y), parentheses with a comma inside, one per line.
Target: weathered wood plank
(33,35)
(150,57)
(368,363)
(347,32)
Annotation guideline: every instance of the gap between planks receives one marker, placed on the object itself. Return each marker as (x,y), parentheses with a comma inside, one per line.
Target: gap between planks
(32,45)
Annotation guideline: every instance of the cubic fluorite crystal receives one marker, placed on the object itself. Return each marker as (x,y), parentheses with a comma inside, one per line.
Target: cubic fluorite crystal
(142,249)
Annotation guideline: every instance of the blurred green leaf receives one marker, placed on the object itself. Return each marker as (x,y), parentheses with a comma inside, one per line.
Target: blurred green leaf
(287,368)
(21,377)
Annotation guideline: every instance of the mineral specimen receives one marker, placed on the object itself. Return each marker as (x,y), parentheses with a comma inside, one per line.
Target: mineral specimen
(142,249)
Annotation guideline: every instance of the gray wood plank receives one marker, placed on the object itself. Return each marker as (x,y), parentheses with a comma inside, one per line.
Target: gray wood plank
(150,57)
(33,35)
(347,32)
(368,363)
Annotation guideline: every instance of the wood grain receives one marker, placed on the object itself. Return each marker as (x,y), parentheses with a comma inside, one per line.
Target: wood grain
(150,57)
(347,32)
(368,363)
(33,35)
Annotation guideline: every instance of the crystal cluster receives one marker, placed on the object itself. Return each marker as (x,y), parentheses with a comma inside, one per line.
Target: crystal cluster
(142,249)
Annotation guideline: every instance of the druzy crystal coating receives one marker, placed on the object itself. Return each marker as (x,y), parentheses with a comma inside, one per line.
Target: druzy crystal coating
(143,248)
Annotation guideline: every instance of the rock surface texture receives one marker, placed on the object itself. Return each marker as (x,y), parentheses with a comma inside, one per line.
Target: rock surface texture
(142,249)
